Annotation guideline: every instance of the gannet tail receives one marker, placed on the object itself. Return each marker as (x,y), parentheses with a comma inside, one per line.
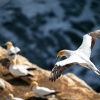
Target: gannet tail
(97,72)
(53,93)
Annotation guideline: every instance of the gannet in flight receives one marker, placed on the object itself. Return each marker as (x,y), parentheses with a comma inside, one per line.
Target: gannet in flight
(80,56)
(42,91)
(11,97)
(11,50)
(17,70)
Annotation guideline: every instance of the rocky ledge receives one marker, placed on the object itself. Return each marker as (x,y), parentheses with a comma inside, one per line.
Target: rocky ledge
(69,85)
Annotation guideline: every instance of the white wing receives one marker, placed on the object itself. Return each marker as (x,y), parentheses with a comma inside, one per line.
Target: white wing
(17,49)
(72,59)
(41,91)
(86,45)
(64,64)
(18,71)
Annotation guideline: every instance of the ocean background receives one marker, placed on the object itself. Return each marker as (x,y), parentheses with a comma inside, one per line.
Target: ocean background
(41,28)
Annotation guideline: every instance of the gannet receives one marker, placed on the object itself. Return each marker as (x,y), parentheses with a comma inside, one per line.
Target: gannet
(11,97)
(5,86)
(17,70)
(42,91)
(2,84)
(80,56)
(11,50)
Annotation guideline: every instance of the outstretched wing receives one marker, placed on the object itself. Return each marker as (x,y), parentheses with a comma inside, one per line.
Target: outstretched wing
(64,64)
(86,45)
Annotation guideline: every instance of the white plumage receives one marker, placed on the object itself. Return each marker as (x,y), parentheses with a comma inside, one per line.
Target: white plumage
(80,56)
(2,83)
(11,50)
(17,70)
(42,91)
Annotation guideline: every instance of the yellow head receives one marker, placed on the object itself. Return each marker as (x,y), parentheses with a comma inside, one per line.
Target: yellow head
(10,96)
(8,44)
(34,84)
(60,54)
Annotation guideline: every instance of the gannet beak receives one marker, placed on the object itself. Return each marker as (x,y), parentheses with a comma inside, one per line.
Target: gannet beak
(57,59)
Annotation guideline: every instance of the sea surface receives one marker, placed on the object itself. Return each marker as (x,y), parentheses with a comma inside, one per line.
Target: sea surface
(41,28)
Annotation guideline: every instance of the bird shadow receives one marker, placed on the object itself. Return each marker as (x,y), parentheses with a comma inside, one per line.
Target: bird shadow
(17,81)
(36,98)
(5,62)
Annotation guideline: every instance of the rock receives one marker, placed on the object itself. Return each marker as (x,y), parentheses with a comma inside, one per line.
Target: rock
(69,85)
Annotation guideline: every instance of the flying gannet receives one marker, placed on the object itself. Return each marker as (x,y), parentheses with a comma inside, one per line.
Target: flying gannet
(11,50)
(11,97)
(42,91)
(17,70)
(80,56)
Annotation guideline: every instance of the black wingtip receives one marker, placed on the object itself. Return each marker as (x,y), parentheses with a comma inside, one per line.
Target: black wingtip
(53,93)
(29,69)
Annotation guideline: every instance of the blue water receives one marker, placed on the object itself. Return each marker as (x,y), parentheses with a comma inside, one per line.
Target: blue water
(41,28)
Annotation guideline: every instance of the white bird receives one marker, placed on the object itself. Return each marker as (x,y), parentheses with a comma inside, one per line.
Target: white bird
(11,97)
(5,86)
(42,91)
(11,50)
(80,56)
(17,70)
(2,84)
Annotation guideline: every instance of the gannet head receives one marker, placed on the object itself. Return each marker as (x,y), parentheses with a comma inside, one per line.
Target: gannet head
(8,44)
(60,54)
(34,84)
(10,96)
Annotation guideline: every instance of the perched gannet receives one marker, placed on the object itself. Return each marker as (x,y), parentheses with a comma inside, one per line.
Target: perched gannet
(11,97)
(17,70)
(4,85)
(11,50)
(80,56)
(42,91)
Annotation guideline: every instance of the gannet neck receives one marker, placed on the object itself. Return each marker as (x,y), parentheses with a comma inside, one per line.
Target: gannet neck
(9,47)
(68,53)
(10,96)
